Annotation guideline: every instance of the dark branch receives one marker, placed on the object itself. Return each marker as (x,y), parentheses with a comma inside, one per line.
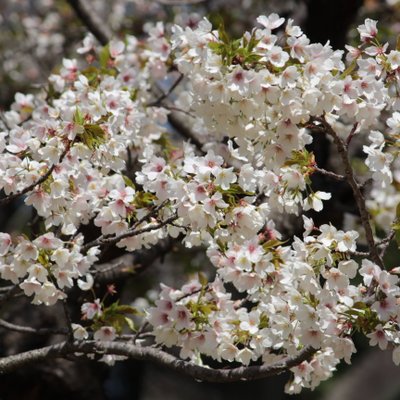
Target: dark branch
(165,95)
(357,192)
(329,174)
(62,350)
(384,243)
(103,239)
(130,233)
(91,21)
(30,330)
(11,293)
(185,132)
(133,263)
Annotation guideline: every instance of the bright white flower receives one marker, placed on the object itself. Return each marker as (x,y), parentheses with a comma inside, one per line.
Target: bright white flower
(368,30)
(116,47)
(30,286)
(86,285)
(378,337)
(80,333)
(396,355)
(346,241)
(394,59)
(48,241)
(385,308)
(314,200)
(348,267)
(271,22)
(244,356)
(225,178)
(92,310)
(105,334)
(5,243)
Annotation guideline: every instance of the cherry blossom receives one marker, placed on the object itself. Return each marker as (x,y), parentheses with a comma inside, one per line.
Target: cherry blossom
(98,149)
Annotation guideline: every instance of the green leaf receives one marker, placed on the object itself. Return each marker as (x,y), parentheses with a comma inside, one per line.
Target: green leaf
(253,41)
(78,117)
(396,226)
(398,43)
(93,136)
(128,182)
(144,199)
(104,56)
(202,279)
(222,34)
(92,73)
(264,321)
(216,47)
(236,189)
(349,69)
(398,212)
(130,324)
(125,309)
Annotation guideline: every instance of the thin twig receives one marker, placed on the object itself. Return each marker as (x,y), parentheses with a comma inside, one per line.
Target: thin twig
(130,233)
(384,243)
(329,174)
(358,253)
(139,332)
(351,134)
(179,110)
(28,329)
(167,93)
(103,238)
(123,263)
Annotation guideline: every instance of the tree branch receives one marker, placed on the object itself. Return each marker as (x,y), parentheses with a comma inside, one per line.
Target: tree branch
(384,243)
(13,291)
(28,329)
(165,95)
(62,350)
(133,263)
(329,174)
(179,2)
(91,21)
(129,233)
(358,195)
(103,239)
(185,132)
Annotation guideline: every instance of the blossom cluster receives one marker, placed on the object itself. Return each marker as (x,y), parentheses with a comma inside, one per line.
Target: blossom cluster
(47,266)
(95,148)
(261,96)
(66,149)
